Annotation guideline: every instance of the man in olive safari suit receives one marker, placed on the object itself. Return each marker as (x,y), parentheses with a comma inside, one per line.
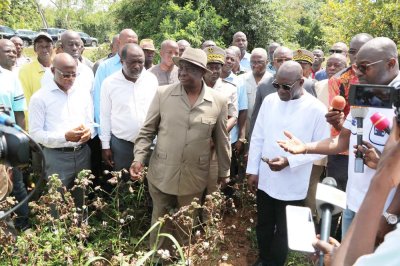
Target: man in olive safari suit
(187,118)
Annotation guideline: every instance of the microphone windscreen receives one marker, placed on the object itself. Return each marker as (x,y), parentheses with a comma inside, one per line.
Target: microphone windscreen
(338,103)
(330,181)
(380,121)
(359,112)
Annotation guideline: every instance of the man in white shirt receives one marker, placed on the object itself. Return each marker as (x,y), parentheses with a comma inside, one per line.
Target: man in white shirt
(376,63)
(125,98)
(250,80)
(278,178)
(61,119)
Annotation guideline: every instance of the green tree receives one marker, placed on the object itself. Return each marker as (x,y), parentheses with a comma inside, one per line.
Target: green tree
(168,20)
(343,20)
(19,14)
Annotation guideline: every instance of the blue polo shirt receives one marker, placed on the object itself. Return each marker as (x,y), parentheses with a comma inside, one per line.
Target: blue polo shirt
(11,93)
(245,62)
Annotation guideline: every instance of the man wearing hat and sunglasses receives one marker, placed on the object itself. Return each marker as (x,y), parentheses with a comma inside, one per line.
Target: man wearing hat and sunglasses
(149,50)
(186,117)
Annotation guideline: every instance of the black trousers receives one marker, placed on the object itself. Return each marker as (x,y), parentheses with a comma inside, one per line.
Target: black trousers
(271,228)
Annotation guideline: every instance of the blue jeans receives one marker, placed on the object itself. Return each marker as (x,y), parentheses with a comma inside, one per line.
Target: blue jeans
(20,193)
(348,216)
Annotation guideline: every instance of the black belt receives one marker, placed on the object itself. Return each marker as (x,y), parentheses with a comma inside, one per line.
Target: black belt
(69,149)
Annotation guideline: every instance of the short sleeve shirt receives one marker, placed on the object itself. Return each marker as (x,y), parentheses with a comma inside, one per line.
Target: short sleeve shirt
(11,94)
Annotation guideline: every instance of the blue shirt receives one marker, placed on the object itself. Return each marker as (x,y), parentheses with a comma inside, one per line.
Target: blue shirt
(242,104)
(245,62)
(105,69)
(271,69)
(321,75)
(11,94)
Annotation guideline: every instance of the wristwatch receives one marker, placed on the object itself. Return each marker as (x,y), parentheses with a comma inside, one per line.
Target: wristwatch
(244,141)
(391,219)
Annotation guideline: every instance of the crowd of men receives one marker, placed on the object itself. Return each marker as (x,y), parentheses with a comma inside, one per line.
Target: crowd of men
(190,119)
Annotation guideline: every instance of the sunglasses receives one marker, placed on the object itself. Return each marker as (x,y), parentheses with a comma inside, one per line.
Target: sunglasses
(335,51)
(67,75)
(286,87)
(364,67)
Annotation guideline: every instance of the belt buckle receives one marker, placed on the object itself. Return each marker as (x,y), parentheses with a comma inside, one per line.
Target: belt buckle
(77,148)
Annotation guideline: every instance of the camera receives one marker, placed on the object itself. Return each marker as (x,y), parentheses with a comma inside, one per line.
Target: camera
(14,145)
(378,96)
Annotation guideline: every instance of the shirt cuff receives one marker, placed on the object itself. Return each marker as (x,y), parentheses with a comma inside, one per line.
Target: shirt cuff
(105,145)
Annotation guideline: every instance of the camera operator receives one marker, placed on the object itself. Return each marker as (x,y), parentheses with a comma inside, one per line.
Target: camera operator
(376,63)
(360,239)
(12,100)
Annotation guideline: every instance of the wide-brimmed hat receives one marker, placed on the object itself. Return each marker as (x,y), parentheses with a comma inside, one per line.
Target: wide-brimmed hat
(147,44)
(303,55)
(42,35)
(193,55)
(215,54)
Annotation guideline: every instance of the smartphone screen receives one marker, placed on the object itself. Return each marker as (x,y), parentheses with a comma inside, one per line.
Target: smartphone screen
(371,96)
(300,228)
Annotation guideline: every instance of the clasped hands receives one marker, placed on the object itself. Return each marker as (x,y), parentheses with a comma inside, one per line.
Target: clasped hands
(79,134)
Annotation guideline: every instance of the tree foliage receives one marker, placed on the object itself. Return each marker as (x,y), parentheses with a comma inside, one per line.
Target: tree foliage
(19,14)
(168,20)
(343,20)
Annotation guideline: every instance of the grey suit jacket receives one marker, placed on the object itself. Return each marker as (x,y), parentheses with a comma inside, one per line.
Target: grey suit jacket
(180,162)
(265,88)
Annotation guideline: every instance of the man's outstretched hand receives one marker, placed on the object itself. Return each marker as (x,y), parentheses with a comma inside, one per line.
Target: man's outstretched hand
(292,144)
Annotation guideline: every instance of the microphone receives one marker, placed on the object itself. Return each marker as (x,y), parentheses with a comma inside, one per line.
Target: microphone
(359,113)
(338,103)
(381,122)
(330,201)
(6,120)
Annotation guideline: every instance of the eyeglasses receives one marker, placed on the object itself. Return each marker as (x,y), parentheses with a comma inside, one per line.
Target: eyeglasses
(286,87)
(281,60)
(67,75)
(364,67)
(335,51)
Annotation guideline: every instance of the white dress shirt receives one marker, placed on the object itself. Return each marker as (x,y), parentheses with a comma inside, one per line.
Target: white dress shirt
(305,118)
(52,113)
(124,105)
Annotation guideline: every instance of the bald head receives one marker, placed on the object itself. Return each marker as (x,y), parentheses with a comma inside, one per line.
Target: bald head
(71,43)
(207,43)
(335,63)
(63,59)
(281,54)
(382,52)
(340,48)
(261,52)
(168,50)
(131,48)
(19,45)
(240,40)
(182,44)
(355,44)
(271,49)
(64,71)
(290,70)
(126,36)
(289,81)
(8,54)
